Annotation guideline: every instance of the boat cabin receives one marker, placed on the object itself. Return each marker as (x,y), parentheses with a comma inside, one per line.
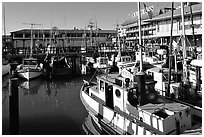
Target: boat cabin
(101,62)
(160,75)
(196,73)
(30,62)
(144,55)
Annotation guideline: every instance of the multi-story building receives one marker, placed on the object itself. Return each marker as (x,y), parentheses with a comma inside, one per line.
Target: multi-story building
(72,39)
(156,30)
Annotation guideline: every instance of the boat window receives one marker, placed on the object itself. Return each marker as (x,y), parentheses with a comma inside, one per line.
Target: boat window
(133,97)
(101,85)
(30,62)
(161,113)
(117,93)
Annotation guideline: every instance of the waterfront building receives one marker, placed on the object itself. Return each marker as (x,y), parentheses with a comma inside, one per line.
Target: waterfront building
(6,43)
(156,29)
(72,40)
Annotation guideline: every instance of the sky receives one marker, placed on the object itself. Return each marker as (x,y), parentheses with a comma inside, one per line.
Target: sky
(68,14)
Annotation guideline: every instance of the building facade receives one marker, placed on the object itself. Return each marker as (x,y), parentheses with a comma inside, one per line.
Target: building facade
(72,39)
(156,30)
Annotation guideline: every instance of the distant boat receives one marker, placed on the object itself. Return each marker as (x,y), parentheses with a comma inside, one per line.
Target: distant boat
(60,66)
(57,65)
(5,67)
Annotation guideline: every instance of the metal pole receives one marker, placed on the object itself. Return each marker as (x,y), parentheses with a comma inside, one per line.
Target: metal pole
(141,75)
(14,106)
(185,79)
(170,51)
(31,46)
(118,42)
(194,37)
(140,37)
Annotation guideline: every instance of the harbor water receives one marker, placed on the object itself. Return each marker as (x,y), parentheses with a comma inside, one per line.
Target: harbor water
(46,107)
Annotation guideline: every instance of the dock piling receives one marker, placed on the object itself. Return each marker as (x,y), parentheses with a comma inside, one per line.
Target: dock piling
(14,106)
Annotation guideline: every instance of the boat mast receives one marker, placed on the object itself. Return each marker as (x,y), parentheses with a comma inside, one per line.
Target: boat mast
(96,36)
(170,50)
(85,40)
(142,99)
(65,30)
(194,37)
(185,79)
(31,43)
(51,31)
(140,37)
(4,24)
(118,42)
(91,25)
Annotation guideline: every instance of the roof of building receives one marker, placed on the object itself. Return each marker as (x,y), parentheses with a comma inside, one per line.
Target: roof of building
(144,16)
(160,15)
(177,12)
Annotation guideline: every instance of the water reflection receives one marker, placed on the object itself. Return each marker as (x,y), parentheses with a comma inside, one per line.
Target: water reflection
(30,87)
(47,107)
(91,128)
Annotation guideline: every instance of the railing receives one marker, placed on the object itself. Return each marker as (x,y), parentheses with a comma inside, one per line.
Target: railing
(63,50)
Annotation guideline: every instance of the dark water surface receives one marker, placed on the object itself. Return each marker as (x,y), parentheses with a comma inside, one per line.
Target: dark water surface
(47,107)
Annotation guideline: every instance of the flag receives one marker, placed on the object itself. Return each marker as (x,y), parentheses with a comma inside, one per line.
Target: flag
(148,10)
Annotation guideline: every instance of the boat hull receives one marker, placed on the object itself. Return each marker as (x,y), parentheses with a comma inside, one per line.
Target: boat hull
(114,121)
(110,121)
(28,73)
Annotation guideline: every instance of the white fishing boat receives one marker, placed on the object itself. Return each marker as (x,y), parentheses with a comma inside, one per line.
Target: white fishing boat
(30,67)
(5,67)
(117,107)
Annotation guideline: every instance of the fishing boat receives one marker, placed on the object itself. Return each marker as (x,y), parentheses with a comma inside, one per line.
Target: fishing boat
(30,67)
(60,66)
(56,65)
(116,106)
(5,67)
(127,103)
